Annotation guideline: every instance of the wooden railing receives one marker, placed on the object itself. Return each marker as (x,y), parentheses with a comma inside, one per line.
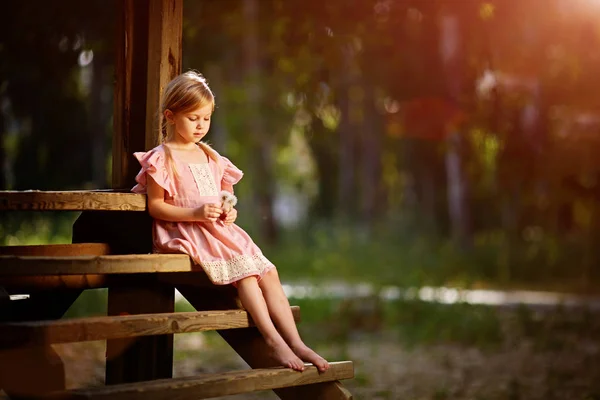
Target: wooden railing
(112,248)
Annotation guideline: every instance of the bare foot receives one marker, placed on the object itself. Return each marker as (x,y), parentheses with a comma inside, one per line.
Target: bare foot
(285,356)
(308,355)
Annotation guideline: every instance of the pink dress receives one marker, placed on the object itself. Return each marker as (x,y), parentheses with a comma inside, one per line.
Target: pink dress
(226,253)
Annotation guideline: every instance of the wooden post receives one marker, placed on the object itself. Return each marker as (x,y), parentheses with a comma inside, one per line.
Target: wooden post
(149,34)
(164,58)
(129,120)
(144,358)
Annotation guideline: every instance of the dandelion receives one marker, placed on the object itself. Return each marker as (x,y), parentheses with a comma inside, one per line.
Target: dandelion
(228,200)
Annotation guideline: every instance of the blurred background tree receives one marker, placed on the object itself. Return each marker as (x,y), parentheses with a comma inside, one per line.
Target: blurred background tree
(407,142)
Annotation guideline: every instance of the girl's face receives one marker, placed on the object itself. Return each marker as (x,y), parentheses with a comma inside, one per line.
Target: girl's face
(192,126)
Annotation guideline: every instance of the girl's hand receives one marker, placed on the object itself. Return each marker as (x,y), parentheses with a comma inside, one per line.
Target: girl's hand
(230,217)
(208,212)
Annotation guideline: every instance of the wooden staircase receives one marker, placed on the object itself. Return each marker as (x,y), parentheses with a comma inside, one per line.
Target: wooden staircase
(48,271)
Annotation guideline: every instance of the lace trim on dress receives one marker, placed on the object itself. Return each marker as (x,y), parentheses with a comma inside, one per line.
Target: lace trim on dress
(204,180)
(227,271)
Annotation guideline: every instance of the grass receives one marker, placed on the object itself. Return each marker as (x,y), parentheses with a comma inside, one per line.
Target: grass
(31,228)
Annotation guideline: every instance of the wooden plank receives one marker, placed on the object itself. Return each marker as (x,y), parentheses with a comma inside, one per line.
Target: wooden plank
(102,328)
(144,358)
(25,283)
(164,58)
(77,200)
(215,385)
(82,265)
(251,346)
(52,250)
(35,283)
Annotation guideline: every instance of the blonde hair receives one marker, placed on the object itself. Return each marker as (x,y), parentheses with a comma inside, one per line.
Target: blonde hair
(184,93)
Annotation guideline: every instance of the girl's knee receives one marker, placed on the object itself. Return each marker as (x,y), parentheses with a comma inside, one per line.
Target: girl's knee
(271,275)
(270,279)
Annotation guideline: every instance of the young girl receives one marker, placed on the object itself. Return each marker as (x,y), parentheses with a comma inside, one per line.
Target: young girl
(183,178)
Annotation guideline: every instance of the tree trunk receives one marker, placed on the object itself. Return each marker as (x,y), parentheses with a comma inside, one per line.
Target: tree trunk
(370,158)
(347,99)
(450,51)
(262,144)
(322,145)
(218,130)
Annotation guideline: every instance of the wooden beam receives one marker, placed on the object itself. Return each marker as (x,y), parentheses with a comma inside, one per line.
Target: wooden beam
(131,71)
(148,56)
(81,265)
(214,385)
(115,327)
(164,59)
(144,358)
(78,200)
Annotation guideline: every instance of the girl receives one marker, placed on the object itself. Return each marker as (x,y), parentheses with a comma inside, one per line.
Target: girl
(183,178)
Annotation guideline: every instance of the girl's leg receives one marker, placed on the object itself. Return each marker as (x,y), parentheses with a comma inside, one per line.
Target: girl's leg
(279,309)
(254,302)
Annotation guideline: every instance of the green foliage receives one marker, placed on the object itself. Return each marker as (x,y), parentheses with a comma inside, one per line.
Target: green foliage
(413,258)
(30,228)
(92,302)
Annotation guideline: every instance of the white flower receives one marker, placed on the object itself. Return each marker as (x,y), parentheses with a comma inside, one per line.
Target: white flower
(228,200)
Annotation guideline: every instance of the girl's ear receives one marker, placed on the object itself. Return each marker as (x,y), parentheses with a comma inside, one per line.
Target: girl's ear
(169,116)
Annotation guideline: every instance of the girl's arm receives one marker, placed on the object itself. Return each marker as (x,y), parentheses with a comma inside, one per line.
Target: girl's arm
(158,209)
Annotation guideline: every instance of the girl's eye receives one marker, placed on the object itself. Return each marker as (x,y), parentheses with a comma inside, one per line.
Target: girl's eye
(193,119)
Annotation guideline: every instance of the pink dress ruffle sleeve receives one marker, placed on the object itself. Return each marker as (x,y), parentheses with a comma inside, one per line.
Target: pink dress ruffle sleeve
(225,252)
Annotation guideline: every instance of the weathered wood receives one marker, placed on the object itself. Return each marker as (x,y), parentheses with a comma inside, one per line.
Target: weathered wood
(144,358)
(148,56)
(36,283)
(131,79)
(77,200)
(81,265)
(251,346)
(52,250)
(214,385)
(18,366)
(164,58)
(101,328)
(15,282)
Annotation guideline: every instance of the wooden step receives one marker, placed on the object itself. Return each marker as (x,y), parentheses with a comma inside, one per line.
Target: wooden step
(213,385)
(76,200)
(19,334)
(25,283)
(12,265)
